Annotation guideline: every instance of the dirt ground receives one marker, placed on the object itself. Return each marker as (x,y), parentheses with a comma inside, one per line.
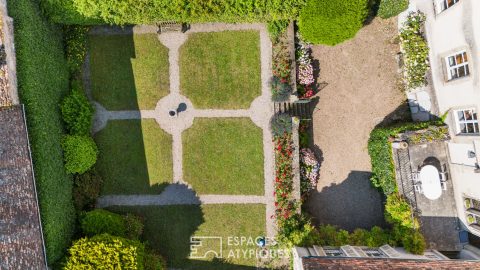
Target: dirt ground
(362,91)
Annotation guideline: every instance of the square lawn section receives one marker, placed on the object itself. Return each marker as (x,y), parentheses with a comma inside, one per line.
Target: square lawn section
(224,156)
(221,70)
(128,72)
(135,157)
(168,230)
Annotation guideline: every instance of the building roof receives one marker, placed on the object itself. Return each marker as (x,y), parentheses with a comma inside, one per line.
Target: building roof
(345,263)
(21,240)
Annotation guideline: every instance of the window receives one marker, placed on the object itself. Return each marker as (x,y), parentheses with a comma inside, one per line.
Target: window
(472,208)
(372,252)
(444,4)
(467,122)
(333,252)
(457,66)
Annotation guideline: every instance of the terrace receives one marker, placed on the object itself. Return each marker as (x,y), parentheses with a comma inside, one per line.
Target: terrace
(434,206)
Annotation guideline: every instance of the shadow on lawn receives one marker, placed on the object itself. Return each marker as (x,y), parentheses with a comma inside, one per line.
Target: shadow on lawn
(168,230)
(352,204)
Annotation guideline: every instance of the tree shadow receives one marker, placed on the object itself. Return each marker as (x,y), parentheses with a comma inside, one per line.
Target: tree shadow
(351,204)
(170,231)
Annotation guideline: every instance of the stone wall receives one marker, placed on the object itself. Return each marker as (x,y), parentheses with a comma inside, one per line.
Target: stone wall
(296,160)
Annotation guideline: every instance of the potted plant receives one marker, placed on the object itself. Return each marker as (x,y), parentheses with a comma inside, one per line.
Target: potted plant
(468,203)
(470,219)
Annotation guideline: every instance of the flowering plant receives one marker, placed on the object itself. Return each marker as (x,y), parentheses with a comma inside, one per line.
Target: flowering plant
(285,205)
(304,66)
(305,91)
(281,62)
(415,50)
(309,168)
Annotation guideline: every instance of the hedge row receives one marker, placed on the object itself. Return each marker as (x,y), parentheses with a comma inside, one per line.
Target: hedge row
(43,80)
(380,151)
(153,11)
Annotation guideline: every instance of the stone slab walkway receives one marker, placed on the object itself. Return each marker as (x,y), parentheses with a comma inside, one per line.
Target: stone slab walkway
(260,111)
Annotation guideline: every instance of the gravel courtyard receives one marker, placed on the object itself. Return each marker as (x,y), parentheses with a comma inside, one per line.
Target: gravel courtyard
(361,92)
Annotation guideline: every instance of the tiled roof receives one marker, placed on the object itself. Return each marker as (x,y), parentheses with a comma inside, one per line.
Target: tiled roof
(323,263)
(21,241)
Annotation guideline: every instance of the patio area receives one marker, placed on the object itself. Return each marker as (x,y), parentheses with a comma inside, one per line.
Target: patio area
(432,200)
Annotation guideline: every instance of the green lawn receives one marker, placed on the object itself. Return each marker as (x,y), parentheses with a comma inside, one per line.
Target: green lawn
(42,83)
(168,229)
(224,156)
(221,70)
(135,157)
(128,72)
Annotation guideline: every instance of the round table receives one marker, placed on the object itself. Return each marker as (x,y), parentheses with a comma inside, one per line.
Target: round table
(430,179)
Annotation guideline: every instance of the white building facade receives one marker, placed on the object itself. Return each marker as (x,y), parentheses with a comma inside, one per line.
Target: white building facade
(453,33)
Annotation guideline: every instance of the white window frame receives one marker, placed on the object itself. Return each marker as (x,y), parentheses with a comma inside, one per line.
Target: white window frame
(374,253)
(444,4)
(455,67)
(466,122)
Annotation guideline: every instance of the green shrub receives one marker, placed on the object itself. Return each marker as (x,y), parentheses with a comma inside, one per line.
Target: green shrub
(331,22)
(154,261)
(80,153)
(43,80)
(133,226)
(75,46)
(105,252)
(152,11)
(277,28)
(390,8)
(380,151)
(281,124)
(412,240)
(101,221)
(329,235)
(86,189)
(77,111)
(281,91)
(398,211)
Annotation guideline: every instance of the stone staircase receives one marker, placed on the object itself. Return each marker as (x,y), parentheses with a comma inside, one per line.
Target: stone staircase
(302,109)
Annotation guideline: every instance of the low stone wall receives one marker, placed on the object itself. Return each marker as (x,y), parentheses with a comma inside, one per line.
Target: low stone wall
(296,160)
(8,70)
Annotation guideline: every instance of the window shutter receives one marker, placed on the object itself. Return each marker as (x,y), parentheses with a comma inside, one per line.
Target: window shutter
(349,251)
(389,251)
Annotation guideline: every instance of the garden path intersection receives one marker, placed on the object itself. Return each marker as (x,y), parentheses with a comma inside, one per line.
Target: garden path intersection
(260,112)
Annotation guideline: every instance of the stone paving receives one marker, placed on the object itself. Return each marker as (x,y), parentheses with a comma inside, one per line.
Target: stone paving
(260,112)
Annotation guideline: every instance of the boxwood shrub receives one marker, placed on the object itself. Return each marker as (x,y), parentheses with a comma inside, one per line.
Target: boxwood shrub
(77,111)
(80,153)
(390,8)
(101,221)
(332,22)
(105,252)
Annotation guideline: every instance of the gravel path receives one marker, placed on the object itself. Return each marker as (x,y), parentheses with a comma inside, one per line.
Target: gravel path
(361,92)
(260,111)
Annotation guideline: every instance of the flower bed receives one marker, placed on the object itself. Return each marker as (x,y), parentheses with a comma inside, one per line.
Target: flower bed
(415,50)
(305,79)
(309,169)
(281,69)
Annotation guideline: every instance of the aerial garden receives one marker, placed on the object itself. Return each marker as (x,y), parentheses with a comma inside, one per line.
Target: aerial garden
(73,166)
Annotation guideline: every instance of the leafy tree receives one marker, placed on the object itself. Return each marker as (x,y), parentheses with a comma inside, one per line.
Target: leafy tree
(80,153)
(332,22)
(105,252)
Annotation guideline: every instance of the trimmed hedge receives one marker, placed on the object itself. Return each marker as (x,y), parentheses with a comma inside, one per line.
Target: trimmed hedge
(152,11)
(332,22)
(42,82)
(390,8)
(101,221)
(80,153)
(77,111)
(106,252)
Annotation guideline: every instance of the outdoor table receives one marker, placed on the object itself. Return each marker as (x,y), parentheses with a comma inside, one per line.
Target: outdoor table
(430,179)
